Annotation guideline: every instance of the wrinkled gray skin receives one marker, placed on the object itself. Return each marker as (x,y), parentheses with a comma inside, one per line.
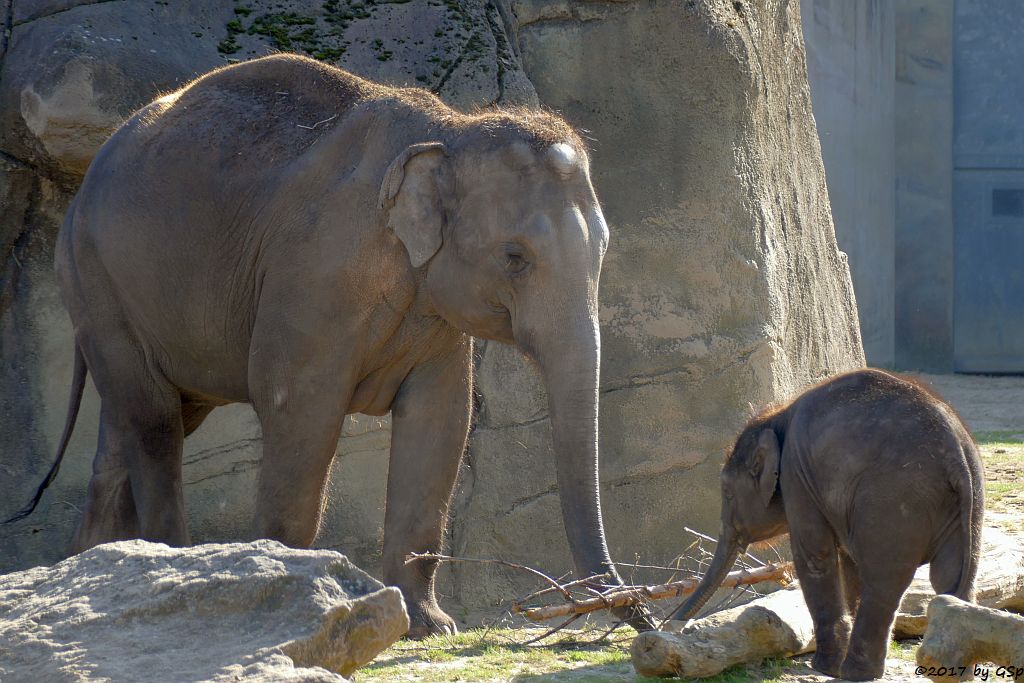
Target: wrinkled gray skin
(872,476)
(283,233)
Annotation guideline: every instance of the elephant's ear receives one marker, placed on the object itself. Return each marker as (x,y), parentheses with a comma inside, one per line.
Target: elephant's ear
(766,464)
(412,195)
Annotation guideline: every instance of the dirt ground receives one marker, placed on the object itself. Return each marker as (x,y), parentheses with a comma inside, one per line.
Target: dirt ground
(987,403)
(993,408)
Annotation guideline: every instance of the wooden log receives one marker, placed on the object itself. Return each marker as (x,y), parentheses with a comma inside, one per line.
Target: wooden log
(1000,584)
(777,573)
(777,625)
(961,635)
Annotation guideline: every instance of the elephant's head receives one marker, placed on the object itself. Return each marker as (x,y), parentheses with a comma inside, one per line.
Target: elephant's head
(752,507)
(502,215)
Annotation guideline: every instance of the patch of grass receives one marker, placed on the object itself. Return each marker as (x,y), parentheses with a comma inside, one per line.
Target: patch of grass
(496,654)
(904,649)
(997,491)
(1003,456)
(1012,437)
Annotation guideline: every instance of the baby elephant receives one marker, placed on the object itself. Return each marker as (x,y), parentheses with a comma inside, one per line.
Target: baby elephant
(872,476)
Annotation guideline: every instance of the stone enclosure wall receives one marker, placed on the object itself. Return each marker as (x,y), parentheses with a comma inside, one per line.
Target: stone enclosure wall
(723,286)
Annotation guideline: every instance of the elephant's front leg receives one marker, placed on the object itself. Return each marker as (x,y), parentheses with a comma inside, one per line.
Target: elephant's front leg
(430,421)
(301,410)
(816,560)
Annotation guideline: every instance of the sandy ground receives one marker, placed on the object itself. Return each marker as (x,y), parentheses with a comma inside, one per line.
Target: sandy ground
(987,403)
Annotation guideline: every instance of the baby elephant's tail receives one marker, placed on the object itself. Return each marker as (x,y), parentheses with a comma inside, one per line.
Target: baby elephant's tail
(972,511)
(74,401)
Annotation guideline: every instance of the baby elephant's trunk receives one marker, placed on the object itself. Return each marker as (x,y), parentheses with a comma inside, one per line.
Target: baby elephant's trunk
(725,556)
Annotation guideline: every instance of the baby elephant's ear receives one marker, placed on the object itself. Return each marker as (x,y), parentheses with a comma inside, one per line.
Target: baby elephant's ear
(412,193)
(766,453)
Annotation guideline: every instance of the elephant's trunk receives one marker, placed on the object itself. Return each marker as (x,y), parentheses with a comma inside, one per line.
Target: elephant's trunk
(571,372)
(725,556)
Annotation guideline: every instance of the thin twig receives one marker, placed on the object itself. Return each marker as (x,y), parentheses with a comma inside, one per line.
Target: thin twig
(550,632)
(566,586)
(413,557)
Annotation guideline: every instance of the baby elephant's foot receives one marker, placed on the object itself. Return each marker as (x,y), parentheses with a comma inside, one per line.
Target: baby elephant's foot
(857,669)
(427,619)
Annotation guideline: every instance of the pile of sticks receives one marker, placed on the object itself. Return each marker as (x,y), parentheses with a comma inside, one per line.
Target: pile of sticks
(597,595)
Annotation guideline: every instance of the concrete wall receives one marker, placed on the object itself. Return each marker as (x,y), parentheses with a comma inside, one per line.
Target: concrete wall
(924,184)
(851,66)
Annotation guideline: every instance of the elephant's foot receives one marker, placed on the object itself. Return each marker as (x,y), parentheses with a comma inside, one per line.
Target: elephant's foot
(109,512)
(857,669)
(828,663)
(637,616)
(427,619)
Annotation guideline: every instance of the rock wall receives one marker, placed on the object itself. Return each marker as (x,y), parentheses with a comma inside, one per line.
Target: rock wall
(723,284)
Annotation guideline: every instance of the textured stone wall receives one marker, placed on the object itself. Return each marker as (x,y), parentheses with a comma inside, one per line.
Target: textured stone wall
(723,284)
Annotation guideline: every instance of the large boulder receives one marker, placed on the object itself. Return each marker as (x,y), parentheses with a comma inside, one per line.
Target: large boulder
(138,611)
(723,285)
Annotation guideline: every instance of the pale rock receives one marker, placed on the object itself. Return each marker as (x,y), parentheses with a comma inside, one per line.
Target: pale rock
(135,611)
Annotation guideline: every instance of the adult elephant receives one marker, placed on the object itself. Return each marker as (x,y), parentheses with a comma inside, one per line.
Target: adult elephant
(283,233)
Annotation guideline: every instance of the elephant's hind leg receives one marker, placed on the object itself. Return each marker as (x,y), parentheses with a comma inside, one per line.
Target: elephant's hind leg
(947,564)
(136,488)
(109,513)
(880,597)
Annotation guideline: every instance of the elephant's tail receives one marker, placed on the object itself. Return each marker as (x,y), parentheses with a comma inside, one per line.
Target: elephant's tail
(971,488)
(74,401)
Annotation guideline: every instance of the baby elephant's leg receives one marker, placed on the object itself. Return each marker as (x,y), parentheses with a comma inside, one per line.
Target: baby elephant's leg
(865,657)
(885,572)
(816,559)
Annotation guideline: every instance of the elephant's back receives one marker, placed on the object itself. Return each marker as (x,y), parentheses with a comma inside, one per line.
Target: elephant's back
(887,424)
(245,119)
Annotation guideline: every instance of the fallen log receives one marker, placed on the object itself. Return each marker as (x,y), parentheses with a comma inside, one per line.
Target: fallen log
(961,635)
(633,595)
(1000,584)
(773,626)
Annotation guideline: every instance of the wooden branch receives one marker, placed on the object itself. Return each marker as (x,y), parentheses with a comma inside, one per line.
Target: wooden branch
(633,595)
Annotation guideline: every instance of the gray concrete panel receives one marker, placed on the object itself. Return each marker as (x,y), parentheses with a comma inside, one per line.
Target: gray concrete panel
(851,66)
(924,184)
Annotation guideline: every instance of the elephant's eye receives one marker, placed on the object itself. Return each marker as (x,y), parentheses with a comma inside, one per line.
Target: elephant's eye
(513,261)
